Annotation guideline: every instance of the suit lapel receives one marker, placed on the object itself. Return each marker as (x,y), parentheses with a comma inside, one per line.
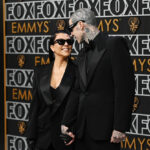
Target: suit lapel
(64,87)
(97,55)
(45,84)
(82,68)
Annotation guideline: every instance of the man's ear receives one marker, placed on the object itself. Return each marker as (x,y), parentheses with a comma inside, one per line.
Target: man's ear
(81,24)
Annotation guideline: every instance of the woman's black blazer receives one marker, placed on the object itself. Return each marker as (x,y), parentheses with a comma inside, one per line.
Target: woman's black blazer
(46,113)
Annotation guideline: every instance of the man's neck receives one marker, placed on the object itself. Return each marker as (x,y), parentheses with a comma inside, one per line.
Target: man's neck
(90,34)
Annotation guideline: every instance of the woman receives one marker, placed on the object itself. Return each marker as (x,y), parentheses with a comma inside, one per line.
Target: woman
(51,89)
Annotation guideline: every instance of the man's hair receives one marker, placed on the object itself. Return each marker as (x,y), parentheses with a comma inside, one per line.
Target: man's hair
(85,15)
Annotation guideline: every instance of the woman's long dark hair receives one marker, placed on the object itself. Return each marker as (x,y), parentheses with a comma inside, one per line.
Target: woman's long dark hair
(51,55)
(52,38)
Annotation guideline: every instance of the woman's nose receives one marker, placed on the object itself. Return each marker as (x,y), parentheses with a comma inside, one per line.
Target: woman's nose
(66,43)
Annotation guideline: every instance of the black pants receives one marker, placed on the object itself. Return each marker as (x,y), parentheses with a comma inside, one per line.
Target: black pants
(58,147)
(87,143)
(61,148)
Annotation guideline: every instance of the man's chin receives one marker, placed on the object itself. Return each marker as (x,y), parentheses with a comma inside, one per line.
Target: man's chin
(79,41)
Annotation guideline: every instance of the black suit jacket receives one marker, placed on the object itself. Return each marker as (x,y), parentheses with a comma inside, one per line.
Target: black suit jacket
(106,91)
(45,114)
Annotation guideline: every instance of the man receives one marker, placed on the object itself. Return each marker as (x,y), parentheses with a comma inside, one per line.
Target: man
(102,113)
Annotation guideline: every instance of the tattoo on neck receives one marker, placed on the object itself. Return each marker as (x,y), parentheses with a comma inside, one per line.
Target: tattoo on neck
(90,35)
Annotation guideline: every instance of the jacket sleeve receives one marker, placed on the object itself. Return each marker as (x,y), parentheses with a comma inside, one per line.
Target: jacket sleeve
(33,111)
(124,83)
(70,114)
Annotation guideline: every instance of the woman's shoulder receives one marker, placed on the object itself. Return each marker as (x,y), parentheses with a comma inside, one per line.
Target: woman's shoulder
(74,68)
(41,69)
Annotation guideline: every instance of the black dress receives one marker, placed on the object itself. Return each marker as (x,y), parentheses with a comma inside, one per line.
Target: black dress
(56,134)
(54,92)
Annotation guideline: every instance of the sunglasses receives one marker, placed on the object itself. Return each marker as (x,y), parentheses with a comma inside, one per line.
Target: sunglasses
(62,41)
(70,28)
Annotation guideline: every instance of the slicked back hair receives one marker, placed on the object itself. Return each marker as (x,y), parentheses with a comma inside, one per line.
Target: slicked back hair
(84,14)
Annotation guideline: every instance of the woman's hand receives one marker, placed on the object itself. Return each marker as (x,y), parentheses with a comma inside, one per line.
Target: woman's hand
(65,131)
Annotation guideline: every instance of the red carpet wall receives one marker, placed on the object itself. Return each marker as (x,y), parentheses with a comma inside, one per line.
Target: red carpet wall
(28,26)
(1,80)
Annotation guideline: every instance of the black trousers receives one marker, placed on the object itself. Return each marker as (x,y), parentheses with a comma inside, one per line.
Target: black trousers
(61,148)
(87,143)
(57,147)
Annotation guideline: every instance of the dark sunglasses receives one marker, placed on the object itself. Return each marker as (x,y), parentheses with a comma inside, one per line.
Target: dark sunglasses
(62,41)
(70,28)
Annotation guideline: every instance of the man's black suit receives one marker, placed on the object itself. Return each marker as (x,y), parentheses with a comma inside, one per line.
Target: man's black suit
(106,85)
(46,113)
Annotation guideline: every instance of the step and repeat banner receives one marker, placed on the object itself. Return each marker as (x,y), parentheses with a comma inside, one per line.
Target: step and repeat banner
(28,27)
(1,80)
